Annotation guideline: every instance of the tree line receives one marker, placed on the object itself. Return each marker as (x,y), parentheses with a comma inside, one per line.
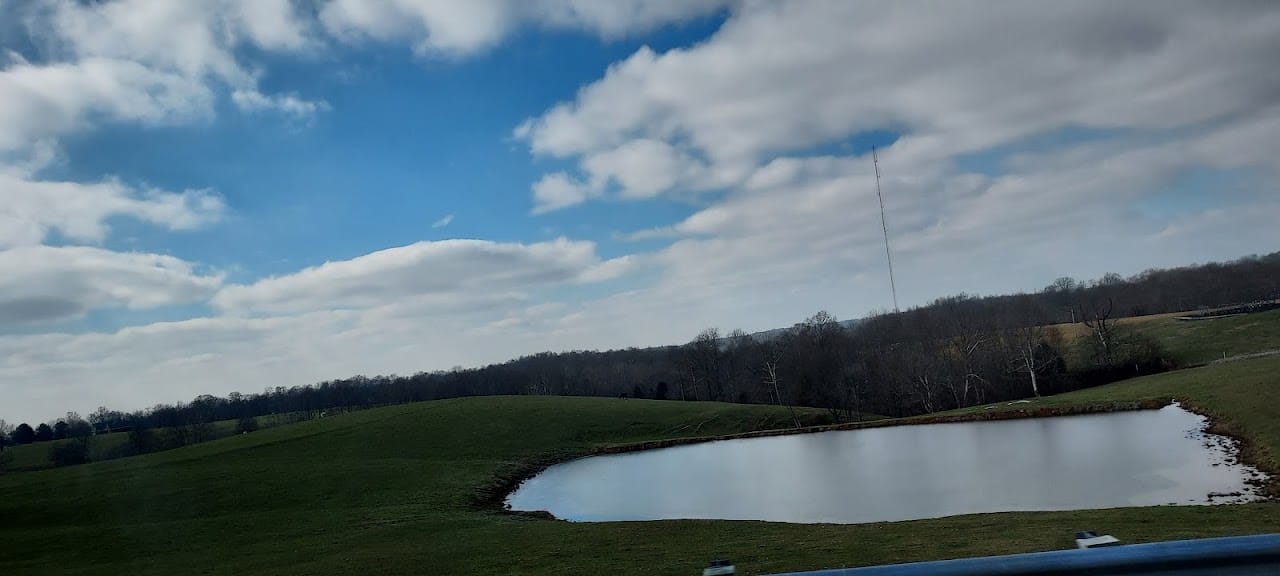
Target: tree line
(954,352)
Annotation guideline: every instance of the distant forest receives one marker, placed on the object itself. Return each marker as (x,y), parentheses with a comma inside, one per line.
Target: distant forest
(956,351)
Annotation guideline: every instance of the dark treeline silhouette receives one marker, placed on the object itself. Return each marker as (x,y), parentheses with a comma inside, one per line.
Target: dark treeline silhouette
(74,431)
(954,352)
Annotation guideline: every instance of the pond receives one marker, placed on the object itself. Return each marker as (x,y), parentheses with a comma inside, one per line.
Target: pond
(1150,457)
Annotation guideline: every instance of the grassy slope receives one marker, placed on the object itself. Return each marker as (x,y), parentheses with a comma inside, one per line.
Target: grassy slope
(387,491)
(107,446)
(1202,341)
(36,456)
(1206,340)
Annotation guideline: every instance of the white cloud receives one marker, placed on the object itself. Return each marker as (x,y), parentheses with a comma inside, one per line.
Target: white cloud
(42,102)
(445,271)
(400,310)
(175,361)
(461,28)
(272,24)
(610,269)
(1117,102)
(196,40)
(643,168)
(443,221)
(640,169)
(813,224)
(143,60)
(782,77)
(291,104)
(162,362)
(30,209)
(621,17)
(50,283)
(559,190)
(431,26)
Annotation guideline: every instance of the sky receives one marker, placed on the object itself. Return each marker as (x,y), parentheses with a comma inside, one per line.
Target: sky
(231,195)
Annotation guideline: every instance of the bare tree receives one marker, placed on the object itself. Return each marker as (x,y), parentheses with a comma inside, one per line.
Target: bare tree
(737,357)
(704,358)
(1060,295)
(923,372)
(1097,317)
(101,419)
(771,354)
(816,364)
(970,335)
(539,386)
(5,430)
(1028,353)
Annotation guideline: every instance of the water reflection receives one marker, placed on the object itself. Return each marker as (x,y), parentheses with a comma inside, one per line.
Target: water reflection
(901,473)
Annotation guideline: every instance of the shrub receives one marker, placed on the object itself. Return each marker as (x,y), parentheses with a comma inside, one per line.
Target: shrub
(69,453)
(142,440)
(246,424)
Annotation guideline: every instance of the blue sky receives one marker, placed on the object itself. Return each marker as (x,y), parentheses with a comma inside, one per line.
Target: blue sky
(203,198)
(401,153)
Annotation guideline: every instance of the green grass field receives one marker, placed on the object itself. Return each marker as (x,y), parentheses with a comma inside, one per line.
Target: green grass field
(1207,340)
(389,491)
(36,456)
(1201,341)
(107,446)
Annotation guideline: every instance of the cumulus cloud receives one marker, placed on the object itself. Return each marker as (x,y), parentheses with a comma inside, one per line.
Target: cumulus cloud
(31,209)
(50,283)
(47,101)
(642,168)
(142,60)
(783,77)
(194,39)
(443,221)
(443,272)
(559,190)
(1030,144)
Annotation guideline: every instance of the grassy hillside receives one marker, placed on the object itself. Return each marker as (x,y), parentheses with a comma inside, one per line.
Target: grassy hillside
(1207,340)
(1201,341)
(35,456)
(388,491)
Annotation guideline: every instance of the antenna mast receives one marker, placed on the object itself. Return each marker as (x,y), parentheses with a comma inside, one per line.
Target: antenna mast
(875,161)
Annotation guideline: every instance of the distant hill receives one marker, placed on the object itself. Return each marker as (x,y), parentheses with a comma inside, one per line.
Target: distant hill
(768,335)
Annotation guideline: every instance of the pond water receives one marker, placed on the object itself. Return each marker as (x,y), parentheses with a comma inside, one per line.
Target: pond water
(1150,457)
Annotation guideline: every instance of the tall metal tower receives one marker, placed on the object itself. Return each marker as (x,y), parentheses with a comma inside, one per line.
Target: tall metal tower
(875,161)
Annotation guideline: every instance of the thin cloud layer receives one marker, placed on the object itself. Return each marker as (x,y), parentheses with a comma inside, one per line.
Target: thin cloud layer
(432,27)
(449,270)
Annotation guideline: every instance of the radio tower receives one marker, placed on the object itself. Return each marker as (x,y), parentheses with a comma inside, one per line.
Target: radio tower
(875,161)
